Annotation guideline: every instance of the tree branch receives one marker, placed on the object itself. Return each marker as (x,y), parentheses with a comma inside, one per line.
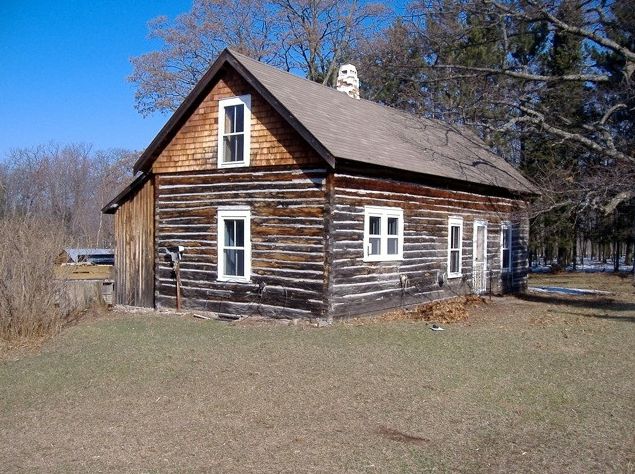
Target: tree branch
(528,76)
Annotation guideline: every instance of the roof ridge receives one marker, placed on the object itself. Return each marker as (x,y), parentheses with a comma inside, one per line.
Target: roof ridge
(457,128)
(361,99)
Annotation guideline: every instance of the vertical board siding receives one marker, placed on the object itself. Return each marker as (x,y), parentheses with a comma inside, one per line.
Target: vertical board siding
(134,250)
(287,241)
(364,287)
(273,141)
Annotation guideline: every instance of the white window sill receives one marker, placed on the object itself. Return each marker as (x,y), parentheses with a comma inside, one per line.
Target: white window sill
(455,275)
(234,280)
(378,258)
(233,164)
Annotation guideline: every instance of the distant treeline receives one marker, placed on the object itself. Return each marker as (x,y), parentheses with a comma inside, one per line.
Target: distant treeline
(66,186)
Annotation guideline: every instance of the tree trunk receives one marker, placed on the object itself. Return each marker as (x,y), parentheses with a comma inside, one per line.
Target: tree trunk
(616,256)
(574,257)
(628,259)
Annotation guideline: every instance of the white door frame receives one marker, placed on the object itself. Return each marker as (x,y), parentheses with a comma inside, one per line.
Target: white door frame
(479,280)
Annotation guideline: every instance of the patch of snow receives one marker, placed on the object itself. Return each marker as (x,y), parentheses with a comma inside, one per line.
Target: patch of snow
(567,291)
(588,266)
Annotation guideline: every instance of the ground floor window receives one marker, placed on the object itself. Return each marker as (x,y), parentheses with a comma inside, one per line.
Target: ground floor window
(234,244)
(455,246)
(383,233)
(506,246)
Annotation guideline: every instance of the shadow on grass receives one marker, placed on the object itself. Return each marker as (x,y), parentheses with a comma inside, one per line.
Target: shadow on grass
(608,317)
(590,302)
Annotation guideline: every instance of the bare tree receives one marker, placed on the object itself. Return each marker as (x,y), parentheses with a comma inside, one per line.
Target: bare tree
(310,36)
(67,184)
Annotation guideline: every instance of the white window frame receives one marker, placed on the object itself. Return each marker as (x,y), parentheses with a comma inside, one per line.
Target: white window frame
(246,101)
(383,213)
(454,221)
(234,213)
(506,227)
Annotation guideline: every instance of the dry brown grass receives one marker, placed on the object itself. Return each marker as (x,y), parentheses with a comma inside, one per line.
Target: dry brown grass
(523,385)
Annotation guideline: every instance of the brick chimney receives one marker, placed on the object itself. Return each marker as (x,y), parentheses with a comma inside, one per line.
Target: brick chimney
(347,80)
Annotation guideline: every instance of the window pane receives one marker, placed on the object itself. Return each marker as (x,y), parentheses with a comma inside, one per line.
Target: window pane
(506,237)
(374,225)
(480,244)
(454,261)
(506,258)
(393,245)
(231,266)
(375,246)
(239,143)
(230,233)
(230,118)
(234,262)
(234,233)
(233,148)
(235,119)
(240,233)
(228,148)
(240,263)
(239,118)
(454,237)
(392,225)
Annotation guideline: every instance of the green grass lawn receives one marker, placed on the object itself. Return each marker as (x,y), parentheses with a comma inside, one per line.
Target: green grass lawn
(532,384)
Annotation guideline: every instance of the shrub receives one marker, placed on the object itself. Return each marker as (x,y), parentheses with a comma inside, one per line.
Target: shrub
(32,303)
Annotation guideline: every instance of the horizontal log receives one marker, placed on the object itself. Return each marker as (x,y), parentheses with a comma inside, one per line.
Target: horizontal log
(304,286)
(222,175)
(313,266)
(270,297)
(352,182)
(213,189)
(234,308)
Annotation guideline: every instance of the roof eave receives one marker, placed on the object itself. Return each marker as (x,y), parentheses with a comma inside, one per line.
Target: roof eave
(114,204)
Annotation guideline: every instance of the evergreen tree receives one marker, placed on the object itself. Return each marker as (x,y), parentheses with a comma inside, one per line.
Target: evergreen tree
(543,160)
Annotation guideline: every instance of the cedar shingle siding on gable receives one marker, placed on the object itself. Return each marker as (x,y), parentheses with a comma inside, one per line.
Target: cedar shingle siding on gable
(316,171)
(194,147)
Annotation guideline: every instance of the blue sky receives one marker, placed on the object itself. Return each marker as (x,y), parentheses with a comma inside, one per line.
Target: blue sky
(65,64)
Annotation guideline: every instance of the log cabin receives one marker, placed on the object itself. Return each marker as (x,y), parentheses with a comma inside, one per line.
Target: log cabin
(286,198)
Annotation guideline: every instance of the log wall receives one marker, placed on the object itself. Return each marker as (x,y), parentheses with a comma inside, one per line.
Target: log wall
(134,250)
(287,237)
(360,287)
(273,141)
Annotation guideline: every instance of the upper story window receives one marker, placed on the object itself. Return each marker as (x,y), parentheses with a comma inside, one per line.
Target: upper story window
(383,233)
(234,244)
(234,119)
(506,246)
(455,246)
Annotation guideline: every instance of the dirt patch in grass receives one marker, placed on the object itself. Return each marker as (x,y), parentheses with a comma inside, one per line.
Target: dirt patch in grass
(520,386)
(396,435)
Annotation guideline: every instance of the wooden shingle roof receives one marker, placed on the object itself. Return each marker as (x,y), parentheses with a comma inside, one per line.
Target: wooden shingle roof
(340,127)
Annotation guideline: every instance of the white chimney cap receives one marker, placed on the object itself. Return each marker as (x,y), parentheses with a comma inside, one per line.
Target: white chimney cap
(347,69)
(347,80)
